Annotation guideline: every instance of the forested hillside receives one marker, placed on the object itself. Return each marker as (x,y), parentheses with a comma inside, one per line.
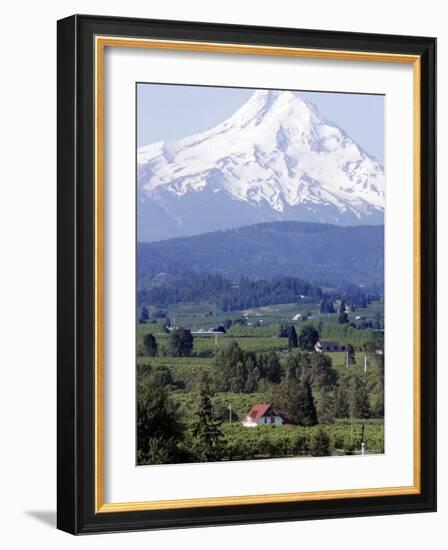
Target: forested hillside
(320,253)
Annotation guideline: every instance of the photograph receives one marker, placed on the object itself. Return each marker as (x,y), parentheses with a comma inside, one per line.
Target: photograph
(259,274)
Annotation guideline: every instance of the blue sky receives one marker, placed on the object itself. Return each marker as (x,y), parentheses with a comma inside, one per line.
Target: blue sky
(169,112)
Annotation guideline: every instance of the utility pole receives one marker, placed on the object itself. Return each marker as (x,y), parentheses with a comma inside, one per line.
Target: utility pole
(230,413)
(365,362)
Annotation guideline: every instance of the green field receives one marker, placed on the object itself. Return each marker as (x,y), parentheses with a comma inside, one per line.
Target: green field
(259,333)
(204,316)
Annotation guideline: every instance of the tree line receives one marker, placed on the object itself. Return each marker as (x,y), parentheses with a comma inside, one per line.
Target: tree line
(228,295)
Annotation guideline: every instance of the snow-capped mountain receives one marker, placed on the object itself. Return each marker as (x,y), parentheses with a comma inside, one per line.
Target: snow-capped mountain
(276,158)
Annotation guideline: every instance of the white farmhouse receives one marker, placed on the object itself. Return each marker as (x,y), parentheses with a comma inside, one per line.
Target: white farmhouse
(263,414)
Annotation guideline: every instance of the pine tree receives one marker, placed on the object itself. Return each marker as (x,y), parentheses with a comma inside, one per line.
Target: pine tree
(292,338)
(296,399)
(150,345)
(342,313)
(207,436)
(305,409)
(351,356)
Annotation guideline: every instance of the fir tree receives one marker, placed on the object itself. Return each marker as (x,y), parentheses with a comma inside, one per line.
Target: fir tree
(308,409)
(296,399)
(207,436)
(292,338)
(351,356)
(150,345)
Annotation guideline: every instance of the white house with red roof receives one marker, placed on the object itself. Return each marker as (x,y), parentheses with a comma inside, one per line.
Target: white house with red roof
(263,414)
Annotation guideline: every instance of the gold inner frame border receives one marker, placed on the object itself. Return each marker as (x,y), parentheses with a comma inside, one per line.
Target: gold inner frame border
(101,42)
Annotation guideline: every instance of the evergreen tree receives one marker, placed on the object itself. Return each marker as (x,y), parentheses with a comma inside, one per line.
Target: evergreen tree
(159,430)
(180,343)
(351,356)
(306,403)
(207,435)
(297,400)
(144,315)
(321,443)
(292,338)
(342,313)
(358,399)
(308,338)
(150,345)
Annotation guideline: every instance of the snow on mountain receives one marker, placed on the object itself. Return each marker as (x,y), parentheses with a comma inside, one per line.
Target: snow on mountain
(275,158)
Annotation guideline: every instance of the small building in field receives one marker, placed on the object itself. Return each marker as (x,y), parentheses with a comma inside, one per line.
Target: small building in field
(263,414)
(327,346)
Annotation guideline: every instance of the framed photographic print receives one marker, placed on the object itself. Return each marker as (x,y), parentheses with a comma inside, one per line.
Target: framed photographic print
(246,274)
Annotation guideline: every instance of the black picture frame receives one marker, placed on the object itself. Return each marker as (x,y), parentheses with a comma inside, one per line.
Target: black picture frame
(76,256)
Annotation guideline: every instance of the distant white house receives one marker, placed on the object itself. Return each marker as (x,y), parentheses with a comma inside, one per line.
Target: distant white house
(328,346)
(263,414)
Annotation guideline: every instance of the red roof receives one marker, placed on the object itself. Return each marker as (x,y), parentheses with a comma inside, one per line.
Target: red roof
(258,410)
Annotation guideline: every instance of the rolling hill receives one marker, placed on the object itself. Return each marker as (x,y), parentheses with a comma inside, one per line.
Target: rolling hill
(320,253)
